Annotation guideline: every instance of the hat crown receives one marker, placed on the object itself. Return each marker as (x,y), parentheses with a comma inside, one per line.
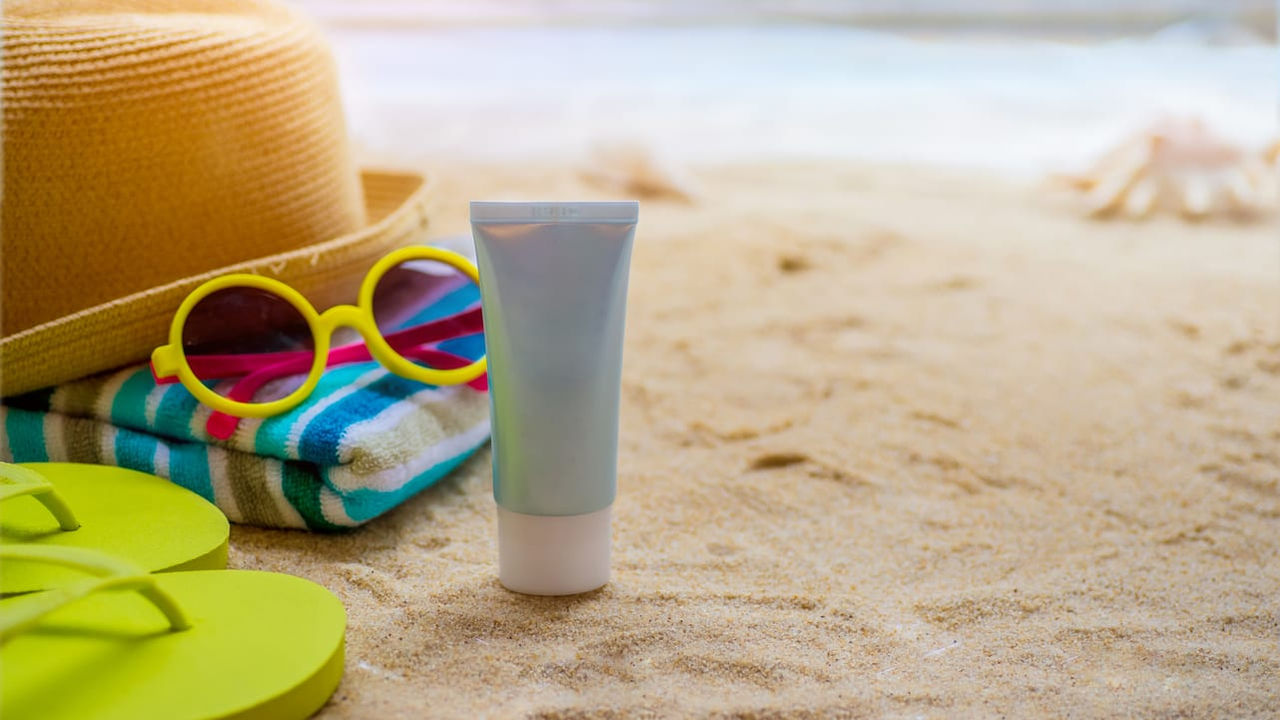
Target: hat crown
(145,142)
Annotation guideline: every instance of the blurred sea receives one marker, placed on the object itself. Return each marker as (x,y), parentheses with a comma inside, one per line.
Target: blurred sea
(1081,19)
(740,92)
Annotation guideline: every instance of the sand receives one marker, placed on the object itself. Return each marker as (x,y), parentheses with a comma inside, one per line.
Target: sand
(894,443)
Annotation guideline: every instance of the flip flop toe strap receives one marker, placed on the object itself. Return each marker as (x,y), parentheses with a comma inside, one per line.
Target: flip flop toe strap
(109,573)
(17,481)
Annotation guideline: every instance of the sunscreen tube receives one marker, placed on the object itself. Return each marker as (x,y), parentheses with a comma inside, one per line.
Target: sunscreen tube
(553,282)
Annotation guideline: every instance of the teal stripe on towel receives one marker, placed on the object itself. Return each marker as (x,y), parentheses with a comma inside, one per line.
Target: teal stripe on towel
(189,467)
(173,416)
(25,430)
(129,406)
(302,489)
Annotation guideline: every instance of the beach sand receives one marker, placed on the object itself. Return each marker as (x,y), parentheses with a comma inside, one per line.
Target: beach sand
(894,443)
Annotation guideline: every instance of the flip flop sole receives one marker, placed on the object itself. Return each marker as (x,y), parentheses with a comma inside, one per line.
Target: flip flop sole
(156,524)
(261,645)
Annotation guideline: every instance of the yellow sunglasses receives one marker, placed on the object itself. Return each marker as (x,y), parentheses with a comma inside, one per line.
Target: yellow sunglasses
(241,343)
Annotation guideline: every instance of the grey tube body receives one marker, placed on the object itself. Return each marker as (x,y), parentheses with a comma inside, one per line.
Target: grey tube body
(553,281)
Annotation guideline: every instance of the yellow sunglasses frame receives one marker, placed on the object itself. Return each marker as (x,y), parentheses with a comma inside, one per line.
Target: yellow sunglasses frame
(170,360)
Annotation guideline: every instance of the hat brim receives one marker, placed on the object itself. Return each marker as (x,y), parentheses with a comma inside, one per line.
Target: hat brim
(125,330)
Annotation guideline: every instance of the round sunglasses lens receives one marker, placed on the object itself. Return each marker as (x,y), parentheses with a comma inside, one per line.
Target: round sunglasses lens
(429,313)
(247,344)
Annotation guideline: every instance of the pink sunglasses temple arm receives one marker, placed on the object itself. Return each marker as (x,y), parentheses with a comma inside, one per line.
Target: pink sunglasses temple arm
(467,322)
(222,426)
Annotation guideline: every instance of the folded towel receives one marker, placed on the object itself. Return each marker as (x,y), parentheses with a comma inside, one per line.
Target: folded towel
(364,441)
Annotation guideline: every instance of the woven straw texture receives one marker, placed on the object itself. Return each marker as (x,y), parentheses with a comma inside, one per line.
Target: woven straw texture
(149,146)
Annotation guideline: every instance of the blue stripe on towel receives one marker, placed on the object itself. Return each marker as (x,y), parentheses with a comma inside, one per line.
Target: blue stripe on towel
(135,450)
(272,439)
(322,440)
(464,297)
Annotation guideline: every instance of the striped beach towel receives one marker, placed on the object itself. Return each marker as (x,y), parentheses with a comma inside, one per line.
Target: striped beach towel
(364,441)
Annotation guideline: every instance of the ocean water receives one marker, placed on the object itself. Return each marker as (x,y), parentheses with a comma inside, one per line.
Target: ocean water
(711,94)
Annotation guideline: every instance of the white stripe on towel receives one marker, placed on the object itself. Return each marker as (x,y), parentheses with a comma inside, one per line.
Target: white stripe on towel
(160,462)
(289,515)
(55,440)
(154,396)
(107,445)
(385,420)
(223,497)
(333,510)
(107,396)
(344,478)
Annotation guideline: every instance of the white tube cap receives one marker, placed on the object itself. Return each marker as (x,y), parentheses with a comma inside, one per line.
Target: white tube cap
(553,555)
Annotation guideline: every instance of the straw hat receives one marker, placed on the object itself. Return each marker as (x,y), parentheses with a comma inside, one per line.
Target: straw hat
(152,144)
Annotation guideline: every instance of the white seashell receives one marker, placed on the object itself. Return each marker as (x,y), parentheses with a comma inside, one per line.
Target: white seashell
(1179,166)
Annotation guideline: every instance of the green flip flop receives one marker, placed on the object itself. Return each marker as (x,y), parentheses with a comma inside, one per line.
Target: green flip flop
(122,643)
(147,520)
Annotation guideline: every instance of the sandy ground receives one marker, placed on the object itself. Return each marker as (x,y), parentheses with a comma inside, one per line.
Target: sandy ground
(893,444)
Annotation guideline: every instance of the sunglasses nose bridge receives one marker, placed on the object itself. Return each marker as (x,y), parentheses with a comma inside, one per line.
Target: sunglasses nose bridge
(343,316)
